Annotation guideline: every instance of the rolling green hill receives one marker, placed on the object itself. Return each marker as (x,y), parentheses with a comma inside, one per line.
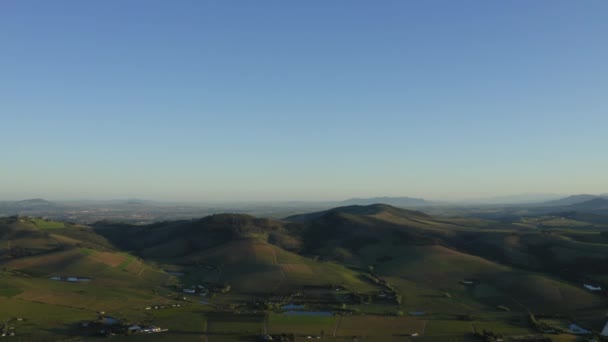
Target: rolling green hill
(253,255)
(414,251)
(33,251)
(376,260)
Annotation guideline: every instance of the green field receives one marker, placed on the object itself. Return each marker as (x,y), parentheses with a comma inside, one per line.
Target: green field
(236,324)
(301,325)
(48,224)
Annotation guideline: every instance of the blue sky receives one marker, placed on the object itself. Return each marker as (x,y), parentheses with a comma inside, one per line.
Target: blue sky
(302,100)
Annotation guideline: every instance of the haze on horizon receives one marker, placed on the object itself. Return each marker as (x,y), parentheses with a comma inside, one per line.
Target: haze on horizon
(315,100)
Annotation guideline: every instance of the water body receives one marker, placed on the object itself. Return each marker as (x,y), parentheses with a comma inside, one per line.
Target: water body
(110,321)
(292,307)
(71,279)
(307,313)
(79,279)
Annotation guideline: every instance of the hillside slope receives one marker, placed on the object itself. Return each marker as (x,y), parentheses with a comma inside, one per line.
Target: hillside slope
(419,253)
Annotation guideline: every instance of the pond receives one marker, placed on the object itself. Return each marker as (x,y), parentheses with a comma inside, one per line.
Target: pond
(307,313)
(70,279)
(110,321)
(292,306)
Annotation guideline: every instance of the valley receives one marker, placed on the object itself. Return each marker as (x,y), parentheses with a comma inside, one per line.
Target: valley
(359,272)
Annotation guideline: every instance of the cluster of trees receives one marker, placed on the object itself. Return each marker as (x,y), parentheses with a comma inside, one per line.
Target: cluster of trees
(16,252)
(393,290)
(361,298)
(489,336)
(543,327)
(279,337)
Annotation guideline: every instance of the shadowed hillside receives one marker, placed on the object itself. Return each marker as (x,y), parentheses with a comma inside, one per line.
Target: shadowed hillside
(181,238)
(413,248)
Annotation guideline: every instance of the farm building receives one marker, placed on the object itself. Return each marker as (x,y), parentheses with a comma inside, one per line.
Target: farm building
(592,288)
(605,330)
(575,329)
(469,281)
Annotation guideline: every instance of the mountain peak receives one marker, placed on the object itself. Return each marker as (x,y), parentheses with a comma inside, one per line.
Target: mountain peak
(360,210)
(598,203)
(34,201)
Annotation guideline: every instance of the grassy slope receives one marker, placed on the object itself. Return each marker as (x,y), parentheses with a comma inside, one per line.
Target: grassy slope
(121,282)
(254,266)
(433,271)
(418,254)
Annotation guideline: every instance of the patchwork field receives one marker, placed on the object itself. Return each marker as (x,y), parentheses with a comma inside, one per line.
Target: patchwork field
(301,325)
(380,326)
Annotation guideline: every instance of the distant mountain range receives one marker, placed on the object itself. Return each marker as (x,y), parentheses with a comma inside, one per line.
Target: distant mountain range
(146,211)
(29,204)
(522,198)
(570,200)
(394,201)
(596,204)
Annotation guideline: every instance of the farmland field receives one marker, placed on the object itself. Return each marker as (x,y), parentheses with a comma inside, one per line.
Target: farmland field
(380,326)
(304,325)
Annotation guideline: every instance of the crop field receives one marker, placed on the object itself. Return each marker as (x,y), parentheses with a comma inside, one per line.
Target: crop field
(87,295)
(42,321)
(47,224)
(565,338)
(221,323)
(379,326)
(448,328)
(7,291)
(504,327)
(434,301)
(385,328)
(305,325)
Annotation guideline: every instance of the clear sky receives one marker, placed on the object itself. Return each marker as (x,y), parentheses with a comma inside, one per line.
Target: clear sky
(302,100)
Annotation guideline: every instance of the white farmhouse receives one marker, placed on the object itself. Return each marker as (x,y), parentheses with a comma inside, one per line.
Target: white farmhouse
(605,330)
(592,288)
